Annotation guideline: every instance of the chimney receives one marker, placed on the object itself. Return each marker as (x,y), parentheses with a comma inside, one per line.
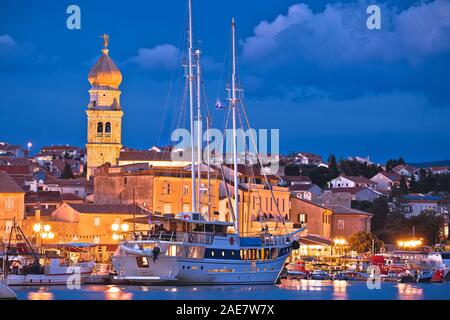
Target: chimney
(37,214)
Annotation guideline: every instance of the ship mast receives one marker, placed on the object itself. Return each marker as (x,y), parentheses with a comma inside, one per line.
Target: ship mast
(234,106)
(199,129)
(191,109)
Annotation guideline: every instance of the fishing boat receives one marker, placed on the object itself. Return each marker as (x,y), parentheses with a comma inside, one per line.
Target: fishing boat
(55,271)
(23,265)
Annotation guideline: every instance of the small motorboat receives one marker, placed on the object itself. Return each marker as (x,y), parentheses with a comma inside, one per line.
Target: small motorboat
(320,275)
(55,271)
(407,277)
(351,276)
(143,262)
(425,276)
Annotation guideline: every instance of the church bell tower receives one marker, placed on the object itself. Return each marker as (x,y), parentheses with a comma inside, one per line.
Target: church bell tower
(104,113)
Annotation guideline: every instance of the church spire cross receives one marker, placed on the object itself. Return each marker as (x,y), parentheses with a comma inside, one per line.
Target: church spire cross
(105,38)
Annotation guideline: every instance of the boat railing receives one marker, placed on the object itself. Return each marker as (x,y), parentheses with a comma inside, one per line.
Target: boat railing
(186,237)
(269,240)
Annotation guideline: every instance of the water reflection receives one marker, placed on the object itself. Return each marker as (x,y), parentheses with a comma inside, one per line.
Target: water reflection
(41,294)
(340,289)
(409,291)
(116,293)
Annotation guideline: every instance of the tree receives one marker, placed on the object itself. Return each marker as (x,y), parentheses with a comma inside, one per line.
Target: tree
(333,168)
(363,242)
(392,163)
(428,225)
(403,188)
(292,170)
(67,172)
(380,210)
(413,185)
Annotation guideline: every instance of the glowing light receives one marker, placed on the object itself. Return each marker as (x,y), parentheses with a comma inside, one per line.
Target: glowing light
(29,144)
(125,227)
(37,227)
(47,228)
(51,235)
(115,227)
(44,235)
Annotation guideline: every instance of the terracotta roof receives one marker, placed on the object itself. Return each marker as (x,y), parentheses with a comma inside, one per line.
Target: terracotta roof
(296,178)
(145,156)
(391,175)
(70,197)
(314,240)
(338,209)
(8,185)
(300,187)
(59,148)
(43,196)
(351,190)
(16,170)
(108,208)
(359,179)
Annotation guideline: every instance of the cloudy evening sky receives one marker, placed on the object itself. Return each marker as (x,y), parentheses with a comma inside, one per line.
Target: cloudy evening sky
(310,68)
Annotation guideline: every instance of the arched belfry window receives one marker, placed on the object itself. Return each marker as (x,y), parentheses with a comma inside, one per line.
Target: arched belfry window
(99,129)
(108,128)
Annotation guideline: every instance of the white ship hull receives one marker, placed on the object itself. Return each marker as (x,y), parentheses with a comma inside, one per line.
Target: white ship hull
(226,272)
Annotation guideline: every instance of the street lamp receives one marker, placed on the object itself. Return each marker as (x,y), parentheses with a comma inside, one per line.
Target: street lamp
(117,229)
(44,232)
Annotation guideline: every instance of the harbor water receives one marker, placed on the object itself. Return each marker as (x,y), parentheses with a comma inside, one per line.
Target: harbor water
(287,290)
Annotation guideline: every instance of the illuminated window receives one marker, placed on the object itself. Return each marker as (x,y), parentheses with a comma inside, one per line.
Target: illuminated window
(341,224)
(185,190)
(96,221)
(166,188)
(9,205)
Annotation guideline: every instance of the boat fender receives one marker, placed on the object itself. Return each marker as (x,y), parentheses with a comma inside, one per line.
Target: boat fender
(295,245)
(156,251)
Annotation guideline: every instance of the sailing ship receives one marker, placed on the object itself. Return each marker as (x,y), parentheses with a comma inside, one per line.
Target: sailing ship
(214,252)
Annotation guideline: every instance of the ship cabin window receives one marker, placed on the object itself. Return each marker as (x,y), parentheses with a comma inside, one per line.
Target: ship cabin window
(142,262)
(210,228)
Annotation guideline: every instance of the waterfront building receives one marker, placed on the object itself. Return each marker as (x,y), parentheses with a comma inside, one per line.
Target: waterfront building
(11,205)
(104,112)
(345,221)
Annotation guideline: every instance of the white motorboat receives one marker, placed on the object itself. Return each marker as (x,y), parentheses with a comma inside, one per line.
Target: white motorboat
(55,271)
(143,262)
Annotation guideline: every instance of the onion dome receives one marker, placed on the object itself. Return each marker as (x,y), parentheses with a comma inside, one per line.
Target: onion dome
(105,72)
